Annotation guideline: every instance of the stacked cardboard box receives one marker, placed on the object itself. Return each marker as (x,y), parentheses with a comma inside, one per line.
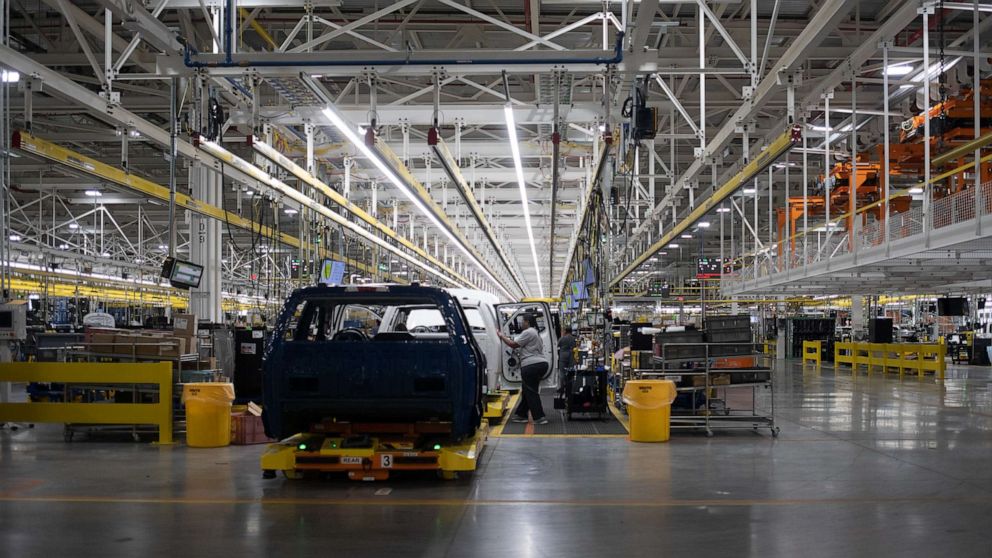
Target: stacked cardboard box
(184,327)
(101,340)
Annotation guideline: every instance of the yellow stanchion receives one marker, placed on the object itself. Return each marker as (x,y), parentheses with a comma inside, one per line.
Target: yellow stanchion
(812,351)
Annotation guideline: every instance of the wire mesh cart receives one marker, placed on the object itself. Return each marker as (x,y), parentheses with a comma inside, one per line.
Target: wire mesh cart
(719,385)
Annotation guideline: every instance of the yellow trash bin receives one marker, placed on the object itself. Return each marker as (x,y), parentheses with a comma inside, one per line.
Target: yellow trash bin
(649,404)
(208,414)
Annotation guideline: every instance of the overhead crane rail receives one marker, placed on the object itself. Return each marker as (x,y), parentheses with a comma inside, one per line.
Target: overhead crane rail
(781,145)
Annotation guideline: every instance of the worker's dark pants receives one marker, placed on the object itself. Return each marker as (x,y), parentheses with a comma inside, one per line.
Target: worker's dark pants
(531,392)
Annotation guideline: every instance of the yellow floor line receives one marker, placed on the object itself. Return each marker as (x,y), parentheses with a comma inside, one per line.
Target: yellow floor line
(452,502)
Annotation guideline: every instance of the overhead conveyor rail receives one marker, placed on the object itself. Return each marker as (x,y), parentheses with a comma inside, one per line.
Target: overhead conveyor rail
(451,167)
(304,200)
(299,172)
(36,146)
(431,209)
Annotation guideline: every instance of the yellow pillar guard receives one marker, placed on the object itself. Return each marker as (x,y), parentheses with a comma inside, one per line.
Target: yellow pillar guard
(812,351)
(158,373)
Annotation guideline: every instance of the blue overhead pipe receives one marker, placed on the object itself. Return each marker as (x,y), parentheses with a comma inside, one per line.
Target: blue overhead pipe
(228,62)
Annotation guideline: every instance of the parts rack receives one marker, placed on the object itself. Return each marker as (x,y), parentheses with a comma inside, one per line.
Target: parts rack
(705,367)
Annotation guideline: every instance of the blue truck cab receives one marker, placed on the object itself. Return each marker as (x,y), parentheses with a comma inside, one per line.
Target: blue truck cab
(331,358)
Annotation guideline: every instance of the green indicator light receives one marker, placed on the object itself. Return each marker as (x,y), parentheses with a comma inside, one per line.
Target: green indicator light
(302,447)
(437,447)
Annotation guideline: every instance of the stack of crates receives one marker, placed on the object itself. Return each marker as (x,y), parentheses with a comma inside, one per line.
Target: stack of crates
(730,329)
(679,352)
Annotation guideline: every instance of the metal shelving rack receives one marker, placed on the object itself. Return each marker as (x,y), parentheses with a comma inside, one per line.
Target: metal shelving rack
(715,414)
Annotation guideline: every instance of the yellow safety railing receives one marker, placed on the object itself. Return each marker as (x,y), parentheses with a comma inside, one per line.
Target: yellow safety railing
(157,373)
(812,351)
(769,347)
(913,357)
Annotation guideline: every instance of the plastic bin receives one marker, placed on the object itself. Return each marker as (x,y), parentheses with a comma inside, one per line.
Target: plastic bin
(649,405)
(208,414)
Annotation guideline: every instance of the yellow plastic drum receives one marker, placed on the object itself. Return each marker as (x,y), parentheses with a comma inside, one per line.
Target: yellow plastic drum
(649,404)
(208,414)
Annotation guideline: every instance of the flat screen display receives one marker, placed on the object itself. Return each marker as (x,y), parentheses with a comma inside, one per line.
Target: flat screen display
(659,288)
(331,272)
(590,273)
(184,275)
(708,268)
(952,306)
(579,291)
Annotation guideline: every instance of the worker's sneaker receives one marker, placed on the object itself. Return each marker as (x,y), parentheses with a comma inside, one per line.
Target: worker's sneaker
(542,420)
(519,419)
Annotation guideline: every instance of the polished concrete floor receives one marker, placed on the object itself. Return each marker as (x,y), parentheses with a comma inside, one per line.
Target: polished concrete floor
(863,467)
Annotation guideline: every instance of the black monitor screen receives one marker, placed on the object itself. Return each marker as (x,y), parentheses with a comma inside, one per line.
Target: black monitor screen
(6,320)
(185,274)
(952,306)
(708,268)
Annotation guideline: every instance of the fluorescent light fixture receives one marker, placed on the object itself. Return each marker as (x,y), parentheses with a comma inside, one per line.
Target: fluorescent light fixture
(73,226)
(93,193)
(723,210)
(662,253)
(703,224)
(10,76)
(511,129)
(898,69)
(915,190)
(386,170)
(290,211)
(106,254)
(906,86)
(15,238)
(602,127)
(933,70)
(673,245)
(687,236)
(749,190)
(163,247)
(66,247)
(846,128)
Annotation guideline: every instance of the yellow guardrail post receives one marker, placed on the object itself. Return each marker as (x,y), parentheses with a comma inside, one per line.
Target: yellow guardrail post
(153,373)
(812,350)
(844,354)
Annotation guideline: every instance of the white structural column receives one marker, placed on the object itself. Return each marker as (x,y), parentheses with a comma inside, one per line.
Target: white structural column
(205,246)
(857,315)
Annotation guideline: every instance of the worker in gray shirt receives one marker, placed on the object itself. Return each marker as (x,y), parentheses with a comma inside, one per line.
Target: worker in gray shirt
(533,367)
(566,349)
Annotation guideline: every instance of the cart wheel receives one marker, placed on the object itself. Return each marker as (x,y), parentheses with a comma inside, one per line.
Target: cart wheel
(135,437)
(67,434)
(268,474)
(448,475)
(292,474)
(775,432)
(709,433)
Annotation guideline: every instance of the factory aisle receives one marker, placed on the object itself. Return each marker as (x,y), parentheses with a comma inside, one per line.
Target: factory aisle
(863,467)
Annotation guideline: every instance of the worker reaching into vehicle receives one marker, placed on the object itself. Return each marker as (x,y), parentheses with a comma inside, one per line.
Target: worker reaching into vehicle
(533,367)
